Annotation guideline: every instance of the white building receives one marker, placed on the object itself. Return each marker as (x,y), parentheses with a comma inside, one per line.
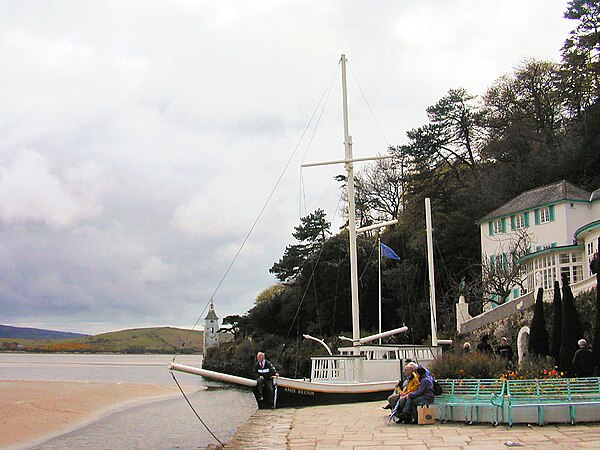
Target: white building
(211,327)
(562,223)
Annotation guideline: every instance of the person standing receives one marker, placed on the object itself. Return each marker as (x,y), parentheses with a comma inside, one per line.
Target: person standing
(265,371)
(484,346)
(466,348)
(505,351)
(583,360)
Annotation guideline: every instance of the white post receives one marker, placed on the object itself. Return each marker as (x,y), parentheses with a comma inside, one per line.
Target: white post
(351,213)
(434,342)
(379,244)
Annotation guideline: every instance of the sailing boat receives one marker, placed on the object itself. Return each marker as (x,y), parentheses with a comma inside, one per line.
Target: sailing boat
(361,372)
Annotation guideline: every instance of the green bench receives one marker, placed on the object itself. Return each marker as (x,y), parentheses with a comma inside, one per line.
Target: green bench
(471,395)
(551,393)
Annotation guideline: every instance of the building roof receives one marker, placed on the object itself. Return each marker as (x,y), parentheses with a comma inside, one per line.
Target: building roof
(212,315)
(543,195)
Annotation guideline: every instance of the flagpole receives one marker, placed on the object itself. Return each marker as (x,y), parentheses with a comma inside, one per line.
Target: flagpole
(379,245)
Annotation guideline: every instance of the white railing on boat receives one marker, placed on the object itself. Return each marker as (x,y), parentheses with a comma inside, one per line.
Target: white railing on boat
(374,363)
(419,353)
(336,369)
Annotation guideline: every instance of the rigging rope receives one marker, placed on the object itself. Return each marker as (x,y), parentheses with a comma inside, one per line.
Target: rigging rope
(235,257)
(368,106)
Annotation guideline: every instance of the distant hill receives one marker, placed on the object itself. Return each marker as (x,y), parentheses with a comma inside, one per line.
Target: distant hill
(7,331)
(140,340)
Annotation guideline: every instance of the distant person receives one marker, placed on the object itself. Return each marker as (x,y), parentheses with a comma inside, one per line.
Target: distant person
(265,371)
(422,396)
(583,360)
(410,384)
(505,351)
(484,346)
(466,348)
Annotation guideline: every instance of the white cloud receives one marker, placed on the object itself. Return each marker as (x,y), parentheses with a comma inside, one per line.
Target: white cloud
(155,269)
(30,192)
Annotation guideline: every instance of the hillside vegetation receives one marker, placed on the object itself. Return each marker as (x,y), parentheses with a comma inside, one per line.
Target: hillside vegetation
(140,340)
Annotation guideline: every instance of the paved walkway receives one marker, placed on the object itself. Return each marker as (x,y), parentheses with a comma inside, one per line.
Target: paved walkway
(364,426)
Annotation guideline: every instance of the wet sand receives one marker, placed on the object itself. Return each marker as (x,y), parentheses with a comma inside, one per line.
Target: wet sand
(34,411)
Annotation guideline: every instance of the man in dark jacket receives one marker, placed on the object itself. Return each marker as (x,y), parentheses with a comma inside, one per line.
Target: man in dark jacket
(422,396)
(264,371)
(583,360)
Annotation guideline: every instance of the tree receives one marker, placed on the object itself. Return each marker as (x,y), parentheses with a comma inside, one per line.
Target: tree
(270,293)
(380,185)
(502,273)
(451,141)
(581,56)
(571,329)
(538,335)
(557,320)
(237,326)
(311,233)
(524,109)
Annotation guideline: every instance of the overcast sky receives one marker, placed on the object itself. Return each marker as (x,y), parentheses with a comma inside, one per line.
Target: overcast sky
(140,139)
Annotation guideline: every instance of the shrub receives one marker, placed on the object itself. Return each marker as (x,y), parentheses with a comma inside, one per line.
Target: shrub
(471,365)
(534,367)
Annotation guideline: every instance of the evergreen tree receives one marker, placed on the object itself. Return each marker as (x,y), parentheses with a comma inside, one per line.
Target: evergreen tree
(557,323)
(571,329)
(538,336)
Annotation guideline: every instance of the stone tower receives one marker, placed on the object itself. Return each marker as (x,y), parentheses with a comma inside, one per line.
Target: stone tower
(211,325)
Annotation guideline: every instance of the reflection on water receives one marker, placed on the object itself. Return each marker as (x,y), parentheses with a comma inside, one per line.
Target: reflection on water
(163,424)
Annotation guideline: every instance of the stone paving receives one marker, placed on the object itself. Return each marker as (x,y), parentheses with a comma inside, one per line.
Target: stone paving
(364,426)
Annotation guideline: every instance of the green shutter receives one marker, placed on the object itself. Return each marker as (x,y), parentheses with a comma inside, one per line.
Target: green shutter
(492,261)
(551,208)
(554,244)
(504,224)
(491,225)
(513,223)
(504,261)
(516,293)
(538,248)
(536,212)
(526,216)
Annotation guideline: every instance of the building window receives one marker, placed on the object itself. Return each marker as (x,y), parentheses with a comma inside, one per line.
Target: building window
(519,221)
(571,266)
(545,215)
(499,226)
(542,272)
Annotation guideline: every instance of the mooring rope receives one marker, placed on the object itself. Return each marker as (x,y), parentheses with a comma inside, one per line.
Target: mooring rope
(194,409)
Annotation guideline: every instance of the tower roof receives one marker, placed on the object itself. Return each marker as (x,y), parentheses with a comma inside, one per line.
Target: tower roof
(212,315)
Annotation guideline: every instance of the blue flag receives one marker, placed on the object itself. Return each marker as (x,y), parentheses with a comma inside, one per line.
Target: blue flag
(388,252)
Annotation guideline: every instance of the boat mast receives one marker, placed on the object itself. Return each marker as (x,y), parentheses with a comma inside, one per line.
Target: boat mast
(351,211)
(434,341)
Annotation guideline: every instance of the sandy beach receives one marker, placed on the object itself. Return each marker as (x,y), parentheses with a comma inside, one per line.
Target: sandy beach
(33,411)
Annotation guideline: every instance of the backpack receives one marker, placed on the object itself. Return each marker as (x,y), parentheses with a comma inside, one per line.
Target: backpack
(437,388)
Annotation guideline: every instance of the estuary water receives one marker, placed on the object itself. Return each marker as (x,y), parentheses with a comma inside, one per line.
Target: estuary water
(165,424)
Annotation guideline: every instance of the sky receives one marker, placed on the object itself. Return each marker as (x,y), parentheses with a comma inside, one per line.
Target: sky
(139,140)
